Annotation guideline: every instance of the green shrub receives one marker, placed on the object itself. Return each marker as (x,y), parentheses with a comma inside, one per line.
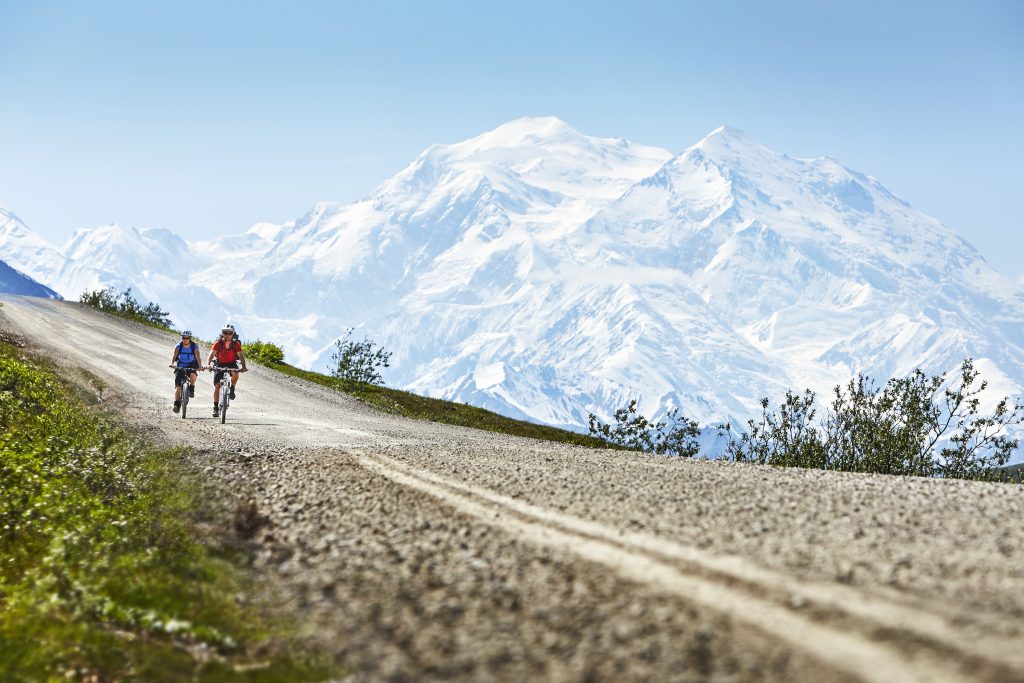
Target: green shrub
(916,425)
(123,304)
(358,362)
(675,435)
(264,352)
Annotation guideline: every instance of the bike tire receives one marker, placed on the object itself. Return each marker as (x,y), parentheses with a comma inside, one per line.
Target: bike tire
(223,414)
(184,408)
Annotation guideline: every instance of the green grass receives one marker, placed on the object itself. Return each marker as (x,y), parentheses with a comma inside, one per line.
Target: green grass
(103,572)
(449,412)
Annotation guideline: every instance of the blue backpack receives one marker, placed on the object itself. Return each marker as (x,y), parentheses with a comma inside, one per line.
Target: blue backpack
(188,355)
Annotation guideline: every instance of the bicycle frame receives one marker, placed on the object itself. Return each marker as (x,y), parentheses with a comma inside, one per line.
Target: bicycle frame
(183,385)
(224,390)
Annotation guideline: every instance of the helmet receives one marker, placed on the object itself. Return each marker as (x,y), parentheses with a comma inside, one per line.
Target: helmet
(227,327)
(186,333)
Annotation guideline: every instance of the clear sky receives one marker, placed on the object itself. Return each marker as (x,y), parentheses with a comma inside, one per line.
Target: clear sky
(206,117)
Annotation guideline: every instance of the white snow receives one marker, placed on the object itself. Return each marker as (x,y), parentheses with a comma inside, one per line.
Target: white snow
(547,274)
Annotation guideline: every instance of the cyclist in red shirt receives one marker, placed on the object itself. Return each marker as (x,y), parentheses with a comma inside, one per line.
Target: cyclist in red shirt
(228,351)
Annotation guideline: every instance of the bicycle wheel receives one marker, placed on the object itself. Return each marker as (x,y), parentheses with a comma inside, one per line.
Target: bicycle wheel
(184,405)
(223,414)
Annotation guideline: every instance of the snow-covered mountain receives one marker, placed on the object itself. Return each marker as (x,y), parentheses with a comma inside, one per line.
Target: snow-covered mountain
(26,252)
(547,274)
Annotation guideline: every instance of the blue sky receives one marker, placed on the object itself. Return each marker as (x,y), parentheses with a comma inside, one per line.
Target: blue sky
(208,117)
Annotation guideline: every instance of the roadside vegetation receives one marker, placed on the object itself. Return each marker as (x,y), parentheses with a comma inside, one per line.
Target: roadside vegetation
(920,425)
(405,403)
(124,305)
(104,574)
(675,435)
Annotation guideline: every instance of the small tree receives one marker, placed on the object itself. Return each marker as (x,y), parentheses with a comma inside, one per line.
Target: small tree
(675,435)
(884,430)
(916,425)
(358,361)
(264,352)
(787,437)
(125,305)
(977,443)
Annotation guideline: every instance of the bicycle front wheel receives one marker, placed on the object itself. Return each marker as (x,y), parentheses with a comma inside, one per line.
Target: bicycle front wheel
(223,414)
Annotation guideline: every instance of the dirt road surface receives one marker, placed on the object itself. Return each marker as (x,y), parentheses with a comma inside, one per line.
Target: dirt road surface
(419,551)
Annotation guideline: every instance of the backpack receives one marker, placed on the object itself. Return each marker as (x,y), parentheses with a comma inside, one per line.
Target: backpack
(193,349)
(236,346)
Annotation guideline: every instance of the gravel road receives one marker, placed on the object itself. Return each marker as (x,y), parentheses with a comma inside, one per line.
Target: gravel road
(418,551)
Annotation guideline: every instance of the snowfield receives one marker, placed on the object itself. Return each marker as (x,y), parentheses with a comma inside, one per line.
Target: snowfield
(546,274)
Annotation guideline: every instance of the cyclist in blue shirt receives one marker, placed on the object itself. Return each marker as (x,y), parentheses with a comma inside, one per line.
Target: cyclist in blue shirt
(186,359)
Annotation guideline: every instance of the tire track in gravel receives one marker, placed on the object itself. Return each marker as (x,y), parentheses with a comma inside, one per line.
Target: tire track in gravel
(841,627)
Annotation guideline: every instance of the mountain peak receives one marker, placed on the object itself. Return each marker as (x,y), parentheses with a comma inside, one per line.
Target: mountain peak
(726,131)
(542,126)
(728,139)
(529,131)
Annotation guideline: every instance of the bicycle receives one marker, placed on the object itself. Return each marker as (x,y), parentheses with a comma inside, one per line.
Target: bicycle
(224,392)
(184,384)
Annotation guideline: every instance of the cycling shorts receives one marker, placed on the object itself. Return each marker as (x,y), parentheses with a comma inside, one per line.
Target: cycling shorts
(183,370)
(218,375)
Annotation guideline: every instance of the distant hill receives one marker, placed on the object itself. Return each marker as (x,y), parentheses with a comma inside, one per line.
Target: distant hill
(14,281)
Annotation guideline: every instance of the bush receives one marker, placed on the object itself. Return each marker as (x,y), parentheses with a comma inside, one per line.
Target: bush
(917,425)
(264,352)
(675,435)
(103,575)
(786,438)
(358,361)
(123,304)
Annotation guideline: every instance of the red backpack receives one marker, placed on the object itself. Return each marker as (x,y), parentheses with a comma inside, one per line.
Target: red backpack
(227,355)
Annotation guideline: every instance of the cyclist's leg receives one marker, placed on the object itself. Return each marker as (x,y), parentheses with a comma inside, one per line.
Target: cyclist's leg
(218,379)
(177,385)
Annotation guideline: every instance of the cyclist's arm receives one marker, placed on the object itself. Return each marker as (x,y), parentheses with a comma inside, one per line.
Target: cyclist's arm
(174,356)
(241,356)
(209,360)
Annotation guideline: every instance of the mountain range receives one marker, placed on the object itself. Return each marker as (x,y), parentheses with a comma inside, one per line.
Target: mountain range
(547,274)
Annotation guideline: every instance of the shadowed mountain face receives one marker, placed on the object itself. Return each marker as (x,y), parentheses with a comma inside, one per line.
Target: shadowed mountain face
(15,282)
(546,274)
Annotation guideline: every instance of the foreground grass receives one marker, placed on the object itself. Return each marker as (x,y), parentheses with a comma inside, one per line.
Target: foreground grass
(103,575)
(423,408)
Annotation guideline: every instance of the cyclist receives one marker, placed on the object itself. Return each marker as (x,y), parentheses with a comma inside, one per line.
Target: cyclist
(228,351)
(185,359)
